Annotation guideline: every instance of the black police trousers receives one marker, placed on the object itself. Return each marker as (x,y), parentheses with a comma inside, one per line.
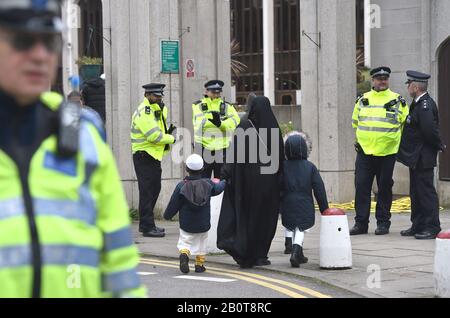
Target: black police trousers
(215,165)
(368,167)
(424,201)
(148,172)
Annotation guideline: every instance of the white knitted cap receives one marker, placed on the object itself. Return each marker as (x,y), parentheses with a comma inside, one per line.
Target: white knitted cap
(194,162)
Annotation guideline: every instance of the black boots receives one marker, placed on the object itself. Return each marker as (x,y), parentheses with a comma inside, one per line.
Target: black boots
(297,256)
(155,232)
(263,261)
(359,229)
(409,232)
(382,230)
(288,245)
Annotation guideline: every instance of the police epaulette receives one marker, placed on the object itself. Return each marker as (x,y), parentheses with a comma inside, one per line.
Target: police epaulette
(197,102)
(402,100)
(359,97)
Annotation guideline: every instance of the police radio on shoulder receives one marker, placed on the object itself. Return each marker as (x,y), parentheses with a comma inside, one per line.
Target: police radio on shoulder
(69,128)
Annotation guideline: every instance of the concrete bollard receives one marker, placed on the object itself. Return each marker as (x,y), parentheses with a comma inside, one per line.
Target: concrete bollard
(442,265)
(216,204)
(335,244)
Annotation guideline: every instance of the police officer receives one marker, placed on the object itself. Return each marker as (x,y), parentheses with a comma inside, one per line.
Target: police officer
(420,144)
(214,123)
(378,119)
(150,140)
(64,224)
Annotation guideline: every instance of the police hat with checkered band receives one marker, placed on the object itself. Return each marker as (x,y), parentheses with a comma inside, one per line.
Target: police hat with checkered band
(380,71)
(414,76)
(214,86)
(155,89)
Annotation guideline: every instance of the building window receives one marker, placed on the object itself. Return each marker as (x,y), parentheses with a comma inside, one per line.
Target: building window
(91,33)
(287,50)
(246,30)
(247,47)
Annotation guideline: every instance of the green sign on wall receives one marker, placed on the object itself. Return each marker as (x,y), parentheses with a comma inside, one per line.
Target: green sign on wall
(170,56)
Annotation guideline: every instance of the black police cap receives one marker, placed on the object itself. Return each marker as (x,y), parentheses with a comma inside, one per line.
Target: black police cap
(381,71)
(155,89)
(37,16)
(214,86)
(414,76)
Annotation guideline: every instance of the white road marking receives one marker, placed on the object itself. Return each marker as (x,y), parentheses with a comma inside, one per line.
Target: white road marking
(146,273)
(209,279)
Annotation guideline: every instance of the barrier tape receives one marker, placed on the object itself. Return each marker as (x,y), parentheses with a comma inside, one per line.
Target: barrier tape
(402,205)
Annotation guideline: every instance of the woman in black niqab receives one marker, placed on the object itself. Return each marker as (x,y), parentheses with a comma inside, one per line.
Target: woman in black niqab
(250,206)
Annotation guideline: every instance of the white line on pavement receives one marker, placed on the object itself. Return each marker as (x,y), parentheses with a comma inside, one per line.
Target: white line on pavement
(209,279)
(146,273)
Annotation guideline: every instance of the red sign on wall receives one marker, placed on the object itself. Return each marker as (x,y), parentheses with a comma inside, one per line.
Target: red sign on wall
(190,68)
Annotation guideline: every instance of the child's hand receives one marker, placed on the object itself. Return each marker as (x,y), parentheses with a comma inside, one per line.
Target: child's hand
(215,180)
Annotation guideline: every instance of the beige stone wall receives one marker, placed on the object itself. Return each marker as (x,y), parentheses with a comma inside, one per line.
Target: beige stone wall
(135,28)
(329,91)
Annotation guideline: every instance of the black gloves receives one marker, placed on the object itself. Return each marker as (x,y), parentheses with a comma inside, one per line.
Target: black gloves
(171,129)
(358,148)
(216,119)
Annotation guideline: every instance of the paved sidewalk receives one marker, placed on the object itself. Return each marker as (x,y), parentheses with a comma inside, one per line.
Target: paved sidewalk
(406,263)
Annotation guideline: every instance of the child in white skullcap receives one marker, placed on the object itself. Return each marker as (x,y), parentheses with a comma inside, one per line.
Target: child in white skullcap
(191,198)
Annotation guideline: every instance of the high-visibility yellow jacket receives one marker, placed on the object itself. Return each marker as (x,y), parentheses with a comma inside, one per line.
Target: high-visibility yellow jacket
(206,133)
(148,130)
(378,126)
(64,225)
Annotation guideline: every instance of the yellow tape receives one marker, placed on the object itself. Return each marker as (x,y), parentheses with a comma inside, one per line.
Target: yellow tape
(401,205)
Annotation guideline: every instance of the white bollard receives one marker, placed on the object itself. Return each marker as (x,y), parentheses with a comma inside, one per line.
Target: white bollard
(442,265)
(216,204)
(335,244)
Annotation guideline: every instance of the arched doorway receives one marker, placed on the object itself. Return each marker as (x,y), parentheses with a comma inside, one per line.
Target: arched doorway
(444,108)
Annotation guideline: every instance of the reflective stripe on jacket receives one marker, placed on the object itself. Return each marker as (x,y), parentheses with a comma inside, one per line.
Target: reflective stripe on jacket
(81,217)
(148,132)
(379,127)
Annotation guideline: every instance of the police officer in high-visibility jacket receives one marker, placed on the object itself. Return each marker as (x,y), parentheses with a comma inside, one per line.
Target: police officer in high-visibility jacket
(214,123)
(150,140)
(378,119)
(64,224)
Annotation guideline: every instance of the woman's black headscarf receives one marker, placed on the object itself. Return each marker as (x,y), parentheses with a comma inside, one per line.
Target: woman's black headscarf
(249,213)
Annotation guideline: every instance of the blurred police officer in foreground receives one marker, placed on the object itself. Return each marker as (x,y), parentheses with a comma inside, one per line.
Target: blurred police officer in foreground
(378,119)
(150,140)
(214,122)
(420,144)
(64,224)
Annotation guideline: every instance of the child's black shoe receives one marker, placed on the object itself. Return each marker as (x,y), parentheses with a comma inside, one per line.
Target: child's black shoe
(288,245)
(184,263)
(200,268)
(297,256)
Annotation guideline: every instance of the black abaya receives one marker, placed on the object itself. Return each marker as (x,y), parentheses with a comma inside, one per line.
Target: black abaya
(250,206)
